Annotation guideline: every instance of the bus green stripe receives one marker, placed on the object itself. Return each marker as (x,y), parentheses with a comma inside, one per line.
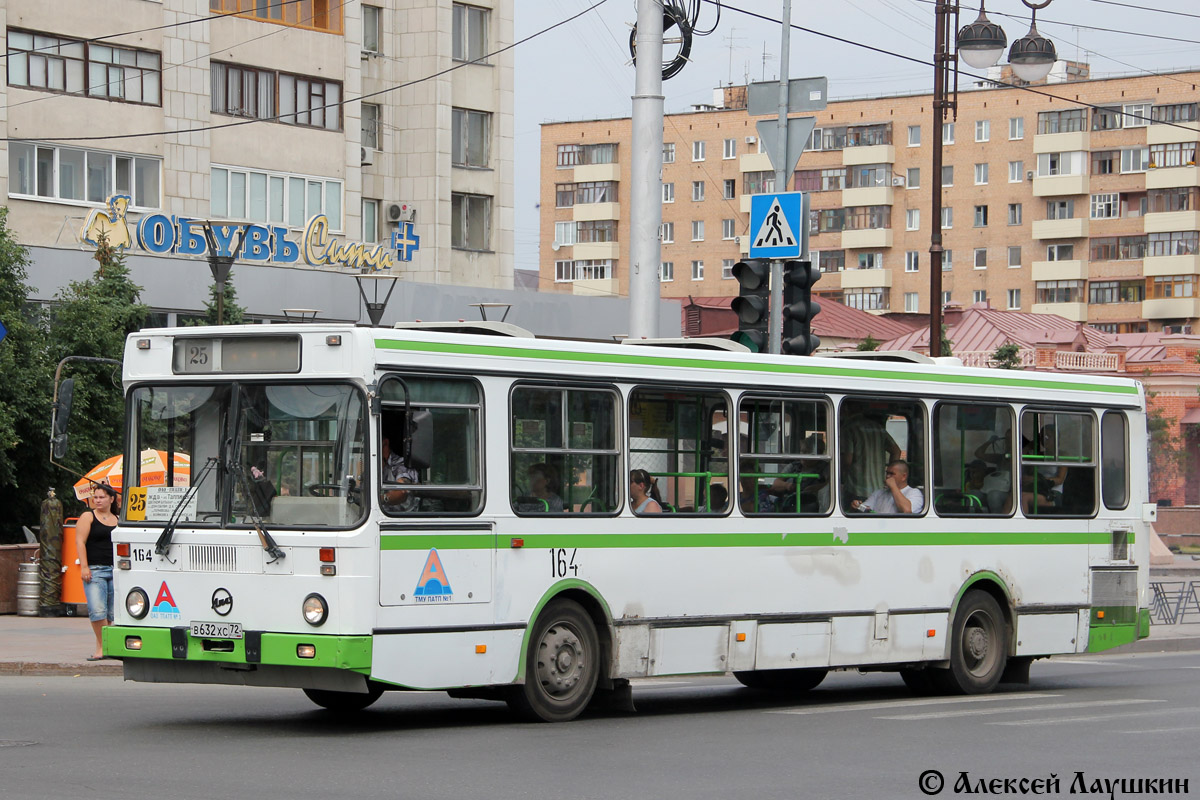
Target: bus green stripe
(748,365)
(677,540)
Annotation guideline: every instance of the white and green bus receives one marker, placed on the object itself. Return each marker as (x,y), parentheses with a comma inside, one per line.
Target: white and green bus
(448,508)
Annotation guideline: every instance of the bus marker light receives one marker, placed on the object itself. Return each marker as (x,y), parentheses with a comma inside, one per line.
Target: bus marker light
(334,340)
(517,542)
(929,634)
(143,344)
(329,569)
(741,637)
(124,563)
(133,643)
(123,549)
(306,651)
(1099,615)
(327,555)
(481,648)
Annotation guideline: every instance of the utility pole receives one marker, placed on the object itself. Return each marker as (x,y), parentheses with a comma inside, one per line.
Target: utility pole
(645,213)
(781,178)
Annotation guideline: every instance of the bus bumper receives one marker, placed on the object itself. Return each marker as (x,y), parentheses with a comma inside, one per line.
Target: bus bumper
(1107,631)
(256,649)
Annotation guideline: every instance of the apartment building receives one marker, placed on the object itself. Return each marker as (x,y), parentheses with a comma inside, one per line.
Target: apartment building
(1080,198)
(269,114)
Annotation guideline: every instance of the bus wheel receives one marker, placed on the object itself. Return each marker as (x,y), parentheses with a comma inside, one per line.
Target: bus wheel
(344,702)
(978,647)
(562,665)
(785,680)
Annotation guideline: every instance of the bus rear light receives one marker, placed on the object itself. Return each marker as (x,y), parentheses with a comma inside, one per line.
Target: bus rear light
(133,643)
(123,549)
(481,648)
(929,634)
(124,563)
(306,651)
(1099,615)
(327,555)
(516,542)
(741,637)
(329,569)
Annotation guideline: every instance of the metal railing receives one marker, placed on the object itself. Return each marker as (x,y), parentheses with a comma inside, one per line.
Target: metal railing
(1172,602)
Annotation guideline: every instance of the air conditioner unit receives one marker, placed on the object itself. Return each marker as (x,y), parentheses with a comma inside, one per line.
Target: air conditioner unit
(366,157)
(897,181)
(399,211)
(1029,175)
(750,140)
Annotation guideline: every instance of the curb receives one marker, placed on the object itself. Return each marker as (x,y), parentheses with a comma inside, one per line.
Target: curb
(40,668)
(1174,645)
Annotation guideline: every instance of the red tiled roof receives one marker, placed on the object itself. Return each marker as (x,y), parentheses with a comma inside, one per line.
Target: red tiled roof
(983,329)
(834,321)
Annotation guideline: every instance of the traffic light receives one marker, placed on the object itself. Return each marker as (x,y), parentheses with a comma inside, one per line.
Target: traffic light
(799,308)
(752,305)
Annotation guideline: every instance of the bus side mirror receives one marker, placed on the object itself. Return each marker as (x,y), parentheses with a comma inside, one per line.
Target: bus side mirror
(419,453)
(59,443)
(62,409)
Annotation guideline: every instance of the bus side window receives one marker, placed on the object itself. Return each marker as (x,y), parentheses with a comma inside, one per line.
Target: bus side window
(1114,460)
(1058,464)
(874,434)
(972,467)
(680,438)
(784,462)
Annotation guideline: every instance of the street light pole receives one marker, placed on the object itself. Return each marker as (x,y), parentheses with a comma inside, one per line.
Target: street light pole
(942,60)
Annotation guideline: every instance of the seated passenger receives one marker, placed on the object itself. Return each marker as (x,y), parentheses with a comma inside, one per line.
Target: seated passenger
(989,485)
(897,497)
(543,486)
(643,493)
(395,470)
(718,497)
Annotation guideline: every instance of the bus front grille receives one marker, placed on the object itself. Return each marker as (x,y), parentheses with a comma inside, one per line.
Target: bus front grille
(222,558)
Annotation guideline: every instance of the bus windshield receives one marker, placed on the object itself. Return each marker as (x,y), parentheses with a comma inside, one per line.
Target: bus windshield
(285,454)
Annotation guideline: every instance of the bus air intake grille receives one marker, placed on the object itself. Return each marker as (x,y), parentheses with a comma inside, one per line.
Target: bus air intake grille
(1112,587)
(222,558)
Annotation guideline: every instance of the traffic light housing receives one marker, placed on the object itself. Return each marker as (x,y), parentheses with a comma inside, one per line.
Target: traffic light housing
(753,303)
(799,308)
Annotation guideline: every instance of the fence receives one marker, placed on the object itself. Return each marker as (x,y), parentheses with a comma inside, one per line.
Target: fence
(1173,601)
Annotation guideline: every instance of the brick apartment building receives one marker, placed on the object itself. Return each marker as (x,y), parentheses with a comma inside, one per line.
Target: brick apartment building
(1079,200)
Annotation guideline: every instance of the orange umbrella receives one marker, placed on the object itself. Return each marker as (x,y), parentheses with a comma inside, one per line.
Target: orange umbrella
(154,472)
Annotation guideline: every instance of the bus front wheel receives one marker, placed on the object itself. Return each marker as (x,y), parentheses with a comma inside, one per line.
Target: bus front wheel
(786,680)
(344,702)
(978,647)
(562,665)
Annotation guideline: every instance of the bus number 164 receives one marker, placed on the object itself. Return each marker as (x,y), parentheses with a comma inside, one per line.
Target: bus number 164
(561,563)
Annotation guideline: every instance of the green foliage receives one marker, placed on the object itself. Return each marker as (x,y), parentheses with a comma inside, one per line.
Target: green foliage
(1168,451)
(25,386)
(1007,356)
(947,350)
(234,314)
(868,344)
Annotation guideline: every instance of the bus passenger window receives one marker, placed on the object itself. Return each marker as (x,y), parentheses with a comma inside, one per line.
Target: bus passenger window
(1058,465)
(680,439)
(564,455)
(785,456)
(972,468)
(882,444)
(1114,460)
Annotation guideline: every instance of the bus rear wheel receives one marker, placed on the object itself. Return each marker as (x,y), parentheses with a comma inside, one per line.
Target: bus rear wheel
(978,647)
(344,702)
(562,665)
(783,680)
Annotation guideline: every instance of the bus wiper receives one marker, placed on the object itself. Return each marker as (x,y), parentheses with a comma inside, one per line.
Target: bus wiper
(163,545)
(264,536)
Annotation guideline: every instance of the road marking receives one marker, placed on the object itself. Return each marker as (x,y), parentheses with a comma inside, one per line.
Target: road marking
(925,701)
(1012,709)
(1163,730)
(1099,717)
(1096,662)
(654,683)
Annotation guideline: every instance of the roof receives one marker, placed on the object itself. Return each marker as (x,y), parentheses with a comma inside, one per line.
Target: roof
(983,329)
(835,321)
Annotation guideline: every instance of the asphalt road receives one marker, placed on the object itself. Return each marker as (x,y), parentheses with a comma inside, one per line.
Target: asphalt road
(856,736)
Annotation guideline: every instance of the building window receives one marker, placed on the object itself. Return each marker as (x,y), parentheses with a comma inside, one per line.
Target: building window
(947,175)
(470,33)
(914,135)
(1137,115)
(1014,299)
(587,192)
(369,126)
(830,220)
(1060,209)
(667,273)
(1104,162)
(727,269)
(1179,199)
(567,271)
(868,135)
(947,133)
(470,221)
(90,69)
(1071,120)
(668,152)
(1016,128)
(912,219)
(1060,252)
(697,151)
(758,182)
(980,258)
(870,260)
(668,232)
(865,218)
(947,218)
(697,191)
(1014,256)
(282,198)
(979,296)
(697,230)
(668,192)
(371,19)
(1135,159)
(981,216)
(1176,154)
(912,302)
(49,172)
(945,299)
(730,189)
(1162,287)
(1106,206)
(1014,214)
(573,155)
(981,174)
(912,261)
(1114,248)
(730,149)
(1016,171)
(242,91)
(310,102)
(914,177)
(697,270)
(983,130)
(321,15)
(947,261)
(1179,243)
(1069,163)
(596,231)
(1106,292)
(564,233)
(564,271)
(370,221)
(870,175)
(1174,113)
(831,260)
(868,299)
(1106,118)
(264,94)
(728,229)
(1058,292)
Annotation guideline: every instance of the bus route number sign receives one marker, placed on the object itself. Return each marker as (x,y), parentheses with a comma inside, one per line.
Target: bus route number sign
(562,564)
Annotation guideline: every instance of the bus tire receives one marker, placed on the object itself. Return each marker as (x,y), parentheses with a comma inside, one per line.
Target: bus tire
(344,702)
(782,680)
(978,647)
(562,665)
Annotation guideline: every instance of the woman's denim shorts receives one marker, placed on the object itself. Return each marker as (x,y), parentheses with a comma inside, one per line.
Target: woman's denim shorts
(99,591)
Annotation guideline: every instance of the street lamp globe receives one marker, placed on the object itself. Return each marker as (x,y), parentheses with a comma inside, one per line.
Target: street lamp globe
(1032,56)
(981,43)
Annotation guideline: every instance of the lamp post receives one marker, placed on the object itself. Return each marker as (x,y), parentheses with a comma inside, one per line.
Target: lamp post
(980,44)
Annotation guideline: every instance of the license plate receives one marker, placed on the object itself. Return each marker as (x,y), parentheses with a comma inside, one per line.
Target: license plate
(217,630)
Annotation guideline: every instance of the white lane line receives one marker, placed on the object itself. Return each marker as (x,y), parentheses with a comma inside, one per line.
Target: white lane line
(1096,662)
(650,683)
(1162,730)
(1158,712)
(1012,709)
(926,701)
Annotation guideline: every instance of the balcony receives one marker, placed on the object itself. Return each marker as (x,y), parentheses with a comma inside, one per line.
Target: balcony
(983,358)
(1170,134)
(755,162)
(1171,308)
(1076,228)
(599,287)
(589,212)
(596,251)
(1153,266)
(1074,270)
(1170,221)
(1172,177)
(1058,185)
(596,172)
(866,279)
(869,154)
(1071,361)
(1061,142)
(1076,312)
(873,196)
(872,238)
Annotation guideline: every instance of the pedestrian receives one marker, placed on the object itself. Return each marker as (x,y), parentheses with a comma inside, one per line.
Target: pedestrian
(93,543)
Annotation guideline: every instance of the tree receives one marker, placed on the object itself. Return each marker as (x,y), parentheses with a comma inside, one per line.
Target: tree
(868,344)
(1168,453)
(25,376)
(946,349)
(234,314)
(1007,356)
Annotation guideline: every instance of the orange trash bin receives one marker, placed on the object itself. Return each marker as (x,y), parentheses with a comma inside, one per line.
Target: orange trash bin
(72,585)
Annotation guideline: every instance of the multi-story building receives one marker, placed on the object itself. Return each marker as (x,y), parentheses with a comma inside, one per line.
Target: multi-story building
(1081,198)
(265,113)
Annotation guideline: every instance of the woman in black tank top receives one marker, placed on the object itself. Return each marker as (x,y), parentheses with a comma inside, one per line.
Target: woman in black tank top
(93,544)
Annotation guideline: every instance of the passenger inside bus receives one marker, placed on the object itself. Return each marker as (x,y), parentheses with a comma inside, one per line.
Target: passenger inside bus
(897,497)
(1042,486)
(989,485)
(543,489)
(866,447)
(643,493)
(394,469)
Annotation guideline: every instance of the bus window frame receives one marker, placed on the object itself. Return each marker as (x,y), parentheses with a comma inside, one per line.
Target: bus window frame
(1014,494)
(1082,411)
(828,456)
(1124,417)
(923,402)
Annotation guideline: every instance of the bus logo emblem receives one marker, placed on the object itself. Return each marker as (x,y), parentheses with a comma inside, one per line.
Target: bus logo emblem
(433,586)
(164,604)
(222,602)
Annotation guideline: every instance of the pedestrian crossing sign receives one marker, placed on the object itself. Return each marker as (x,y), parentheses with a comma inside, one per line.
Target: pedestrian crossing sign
(776,225)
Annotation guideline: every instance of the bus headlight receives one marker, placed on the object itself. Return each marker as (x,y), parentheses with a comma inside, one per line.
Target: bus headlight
(315,609)
(137,603)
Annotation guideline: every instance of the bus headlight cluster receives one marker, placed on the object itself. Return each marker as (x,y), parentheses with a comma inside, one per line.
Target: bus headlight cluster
(315,609)
(137,603)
